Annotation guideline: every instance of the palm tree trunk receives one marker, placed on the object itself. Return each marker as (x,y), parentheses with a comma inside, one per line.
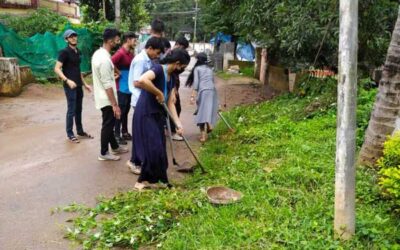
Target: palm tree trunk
(387,104)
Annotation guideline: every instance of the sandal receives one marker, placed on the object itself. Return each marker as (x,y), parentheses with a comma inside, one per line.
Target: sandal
(73,139)
(86,135)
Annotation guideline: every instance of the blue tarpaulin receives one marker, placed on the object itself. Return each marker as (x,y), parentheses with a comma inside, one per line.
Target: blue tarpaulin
(221,37)
(245,52)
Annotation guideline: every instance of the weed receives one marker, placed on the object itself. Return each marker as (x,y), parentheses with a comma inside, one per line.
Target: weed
(281,161)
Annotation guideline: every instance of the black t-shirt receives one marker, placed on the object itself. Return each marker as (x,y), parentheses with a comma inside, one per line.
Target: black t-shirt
(71,61)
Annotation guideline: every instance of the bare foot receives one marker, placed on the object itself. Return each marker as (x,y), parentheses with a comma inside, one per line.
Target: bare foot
(139,186)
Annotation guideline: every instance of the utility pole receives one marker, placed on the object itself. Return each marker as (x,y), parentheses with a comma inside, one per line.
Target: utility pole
(345,171)
(118,13)
(195,23)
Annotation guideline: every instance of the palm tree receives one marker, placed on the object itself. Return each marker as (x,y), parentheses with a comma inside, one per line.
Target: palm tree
(387,104)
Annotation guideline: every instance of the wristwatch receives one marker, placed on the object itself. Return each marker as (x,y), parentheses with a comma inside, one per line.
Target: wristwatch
(65,80)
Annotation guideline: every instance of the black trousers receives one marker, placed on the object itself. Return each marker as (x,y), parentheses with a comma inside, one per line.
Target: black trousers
(107,130)
(178,111)
(124,102)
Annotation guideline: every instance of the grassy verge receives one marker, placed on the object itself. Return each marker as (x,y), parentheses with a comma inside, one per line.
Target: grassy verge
(281,158)
(245,72)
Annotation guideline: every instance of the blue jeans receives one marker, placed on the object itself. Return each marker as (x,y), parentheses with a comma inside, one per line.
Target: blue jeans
(74,110)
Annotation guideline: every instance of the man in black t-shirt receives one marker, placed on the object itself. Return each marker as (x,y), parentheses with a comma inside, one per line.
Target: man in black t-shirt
(68,69)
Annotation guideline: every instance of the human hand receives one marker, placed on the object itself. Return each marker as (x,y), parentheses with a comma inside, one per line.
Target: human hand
(160,97)
(179,130)
(88,88)
(117,112)
(71,84)
(192,100)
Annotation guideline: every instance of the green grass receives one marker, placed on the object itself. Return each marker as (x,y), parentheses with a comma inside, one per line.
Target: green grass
(246,72)
(282,158)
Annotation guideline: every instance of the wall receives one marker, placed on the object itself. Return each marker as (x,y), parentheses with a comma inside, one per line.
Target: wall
(227,49)
(70,10)
(10,79)
(278,78)
(26,75)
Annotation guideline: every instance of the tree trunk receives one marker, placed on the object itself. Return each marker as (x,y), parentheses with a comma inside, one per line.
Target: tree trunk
(387,103)
(346,121)
(118,13)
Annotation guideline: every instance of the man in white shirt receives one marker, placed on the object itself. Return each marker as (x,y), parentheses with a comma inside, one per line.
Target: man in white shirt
(105,94)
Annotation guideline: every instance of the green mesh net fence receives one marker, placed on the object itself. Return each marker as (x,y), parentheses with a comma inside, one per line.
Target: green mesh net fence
(40,51)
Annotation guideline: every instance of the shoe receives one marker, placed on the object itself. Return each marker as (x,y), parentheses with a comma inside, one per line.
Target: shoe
(126,136)
(177,137)
(133,168)
(108,157)
(119,150)
(121,141)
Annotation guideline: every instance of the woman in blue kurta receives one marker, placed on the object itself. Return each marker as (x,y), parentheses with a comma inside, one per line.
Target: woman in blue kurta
(150,117)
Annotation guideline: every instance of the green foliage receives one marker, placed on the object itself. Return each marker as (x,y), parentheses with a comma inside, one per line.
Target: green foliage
(40,21)
(283,165)
(133,13)
(174,23)
(294,31)
(389,171)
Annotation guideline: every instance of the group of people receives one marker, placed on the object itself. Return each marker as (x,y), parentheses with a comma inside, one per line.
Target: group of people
(148,81)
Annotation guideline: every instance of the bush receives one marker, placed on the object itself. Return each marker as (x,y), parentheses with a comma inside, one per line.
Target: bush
(389,163)
(39,21)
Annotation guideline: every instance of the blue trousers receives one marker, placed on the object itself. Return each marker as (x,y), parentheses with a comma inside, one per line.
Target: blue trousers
(74,109)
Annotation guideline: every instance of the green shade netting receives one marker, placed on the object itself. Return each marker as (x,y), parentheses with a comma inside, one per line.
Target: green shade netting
(40,51)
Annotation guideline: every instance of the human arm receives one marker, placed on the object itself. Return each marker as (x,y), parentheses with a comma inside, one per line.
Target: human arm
(87,86)
(174,113)
(116,58)
(58,71)
(107,80)
(193,97)
(146,82)
(196,85)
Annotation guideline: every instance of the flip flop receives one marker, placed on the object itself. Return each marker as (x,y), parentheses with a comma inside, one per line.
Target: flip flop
(86,135)
(73,139)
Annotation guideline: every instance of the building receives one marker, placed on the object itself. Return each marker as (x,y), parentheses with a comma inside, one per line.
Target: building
(67,8)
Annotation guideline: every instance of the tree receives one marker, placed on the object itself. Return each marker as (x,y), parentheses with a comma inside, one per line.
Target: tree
(345,177)
(178,16)
(133,13)
(387,104)
(294,31)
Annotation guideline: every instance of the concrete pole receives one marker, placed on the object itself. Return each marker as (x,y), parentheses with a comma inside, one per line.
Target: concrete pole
(118,13)
(344,223)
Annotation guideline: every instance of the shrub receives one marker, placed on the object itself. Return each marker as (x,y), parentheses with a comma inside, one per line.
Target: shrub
(389,171)
(39,21)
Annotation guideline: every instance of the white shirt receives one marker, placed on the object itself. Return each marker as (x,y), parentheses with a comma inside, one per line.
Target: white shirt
(103,77)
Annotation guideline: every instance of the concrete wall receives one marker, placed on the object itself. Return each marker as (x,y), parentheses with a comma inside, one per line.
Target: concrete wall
(26,75)
(241,64)
(227,49)
(278,78)
(10,79)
